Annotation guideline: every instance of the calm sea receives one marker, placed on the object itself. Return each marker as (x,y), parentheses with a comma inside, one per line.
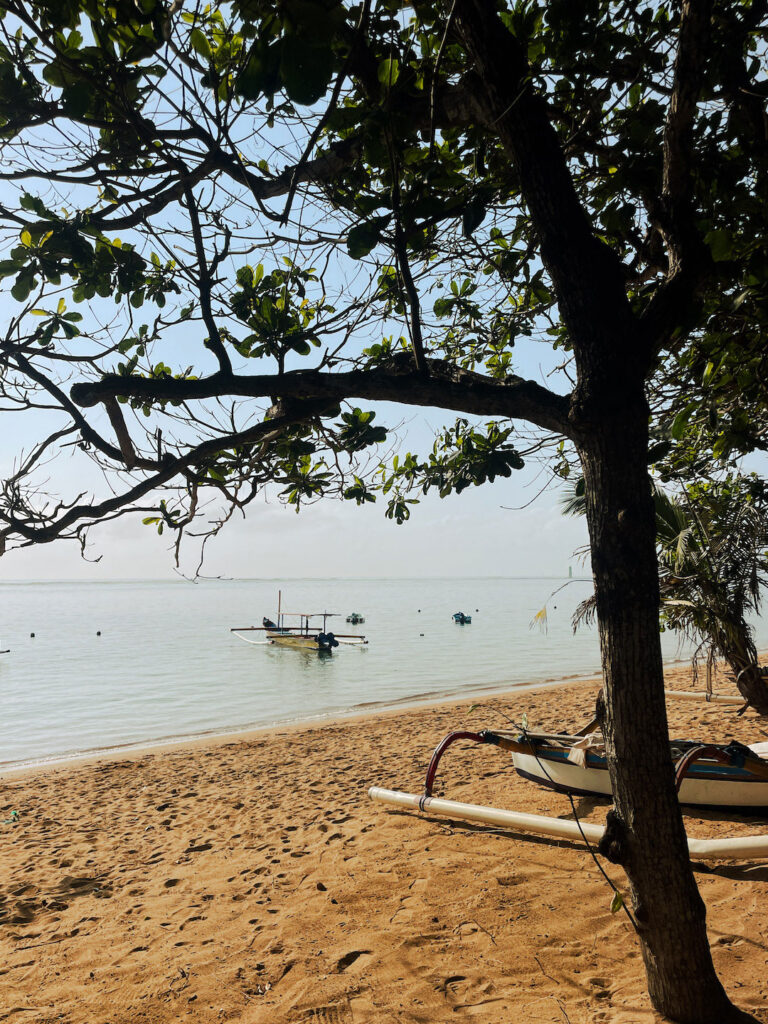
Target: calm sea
(166,664)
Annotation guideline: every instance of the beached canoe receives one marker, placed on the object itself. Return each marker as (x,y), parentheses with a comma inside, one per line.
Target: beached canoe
(726,776)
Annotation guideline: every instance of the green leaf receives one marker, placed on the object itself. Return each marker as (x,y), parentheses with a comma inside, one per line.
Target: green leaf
(473,217)
(363,238)
(720,244)
(306,69)
(680,421)
(388,71)
(25,282)
(200,44)
(658,451)
(77,98)
(617,902)
(260,74)
(8,267)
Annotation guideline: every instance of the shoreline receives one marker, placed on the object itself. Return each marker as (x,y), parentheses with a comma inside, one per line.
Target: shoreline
(243,734)
(193,741)
(237,733)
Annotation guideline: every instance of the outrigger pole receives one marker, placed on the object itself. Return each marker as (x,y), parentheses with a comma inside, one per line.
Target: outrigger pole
(267,629)
(747,847)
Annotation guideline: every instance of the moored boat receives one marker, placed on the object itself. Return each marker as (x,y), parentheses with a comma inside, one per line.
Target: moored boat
(461,619)
(302,636)
(355,618)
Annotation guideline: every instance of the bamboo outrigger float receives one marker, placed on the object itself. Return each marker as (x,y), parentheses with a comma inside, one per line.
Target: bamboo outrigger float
(303,636)
(737,848)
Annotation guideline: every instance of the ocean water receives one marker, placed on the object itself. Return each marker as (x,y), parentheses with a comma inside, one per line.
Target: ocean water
(167,666)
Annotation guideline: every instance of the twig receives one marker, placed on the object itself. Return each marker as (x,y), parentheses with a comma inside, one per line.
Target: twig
(435,74)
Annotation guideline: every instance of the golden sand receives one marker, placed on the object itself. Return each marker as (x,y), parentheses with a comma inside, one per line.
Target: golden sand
(253,880)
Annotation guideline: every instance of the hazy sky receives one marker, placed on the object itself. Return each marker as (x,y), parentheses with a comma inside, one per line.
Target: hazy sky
(463,535)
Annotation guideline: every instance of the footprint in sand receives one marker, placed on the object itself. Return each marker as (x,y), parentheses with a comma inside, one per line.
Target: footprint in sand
(468,996)
(354,957)
(330,1014)
(405,912)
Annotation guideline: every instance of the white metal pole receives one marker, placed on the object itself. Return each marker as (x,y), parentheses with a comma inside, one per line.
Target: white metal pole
(746,847)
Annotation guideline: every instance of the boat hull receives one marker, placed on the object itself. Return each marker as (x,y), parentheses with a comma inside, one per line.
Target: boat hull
(706,785)
(303,643)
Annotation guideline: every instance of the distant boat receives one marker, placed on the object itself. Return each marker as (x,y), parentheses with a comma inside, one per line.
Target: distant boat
(462,619)
(304,636)
(355,618)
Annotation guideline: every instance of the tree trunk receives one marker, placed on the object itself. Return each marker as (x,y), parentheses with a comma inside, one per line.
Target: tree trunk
(752,686)
(741,656)
(609,423)
(646,833)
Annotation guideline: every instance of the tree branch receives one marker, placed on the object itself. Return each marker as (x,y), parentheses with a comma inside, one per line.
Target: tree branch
(693,44)
(689,258)
(261,432)
(204,282)
(447,387)
(588,277)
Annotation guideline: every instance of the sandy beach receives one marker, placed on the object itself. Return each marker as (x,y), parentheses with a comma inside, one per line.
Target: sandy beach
(252,879)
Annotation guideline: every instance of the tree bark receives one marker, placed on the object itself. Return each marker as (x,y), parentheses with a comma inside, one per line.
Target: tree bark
(741,656)
(646,836)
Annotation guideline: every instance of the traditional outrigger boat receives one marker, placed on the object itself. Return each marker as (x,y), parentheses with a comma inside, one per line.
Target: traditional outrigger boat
(726,776)
(732,777)
(304,636)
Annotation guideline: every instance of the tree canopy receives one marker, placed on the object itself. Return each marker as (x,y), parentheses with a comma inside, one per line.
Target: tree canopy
(226,225)
(306,203)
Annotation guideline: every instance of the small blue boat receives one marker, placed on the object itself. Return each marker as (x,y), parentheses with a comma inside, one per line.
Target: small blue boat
(462,619)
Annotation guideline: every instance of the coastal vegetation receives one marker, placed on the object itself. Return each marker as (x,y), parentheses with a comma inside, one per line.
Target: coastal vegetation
(712,545)
(226,224)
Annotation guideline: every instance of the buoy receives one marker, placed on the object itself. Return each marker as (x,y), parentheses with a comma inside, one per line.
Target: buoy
(421,634)
(98,632)
(31,634)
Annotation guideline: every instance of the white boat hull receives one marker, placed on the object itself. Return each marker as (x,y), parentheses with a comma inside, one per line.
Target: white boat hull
(702,792)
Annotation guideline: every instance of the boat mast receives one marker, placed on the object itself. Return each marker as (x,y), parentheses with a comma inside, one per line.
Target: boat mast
(279,603)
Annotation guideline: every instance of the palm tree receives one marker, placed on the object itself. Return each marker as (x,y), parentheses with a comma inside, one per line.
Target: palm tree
(713,564)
